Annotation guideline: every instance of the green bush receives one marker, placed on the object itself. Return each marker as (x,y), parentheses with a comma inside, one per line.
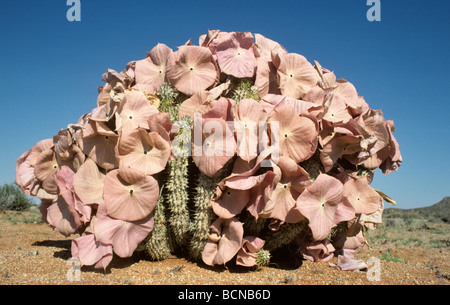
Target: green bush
(12,198)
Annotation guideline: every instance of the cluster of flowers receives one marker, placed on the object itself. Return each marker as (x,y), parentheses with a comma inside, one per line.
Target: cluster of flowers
(301,147)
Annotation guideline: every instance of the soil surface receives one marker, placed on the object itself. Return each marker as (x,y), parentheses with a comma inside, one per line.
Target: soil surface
(32,253)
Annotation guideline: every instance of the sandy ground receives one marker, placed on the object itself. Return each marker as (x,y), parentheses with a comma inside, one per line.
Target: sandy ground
(31,253)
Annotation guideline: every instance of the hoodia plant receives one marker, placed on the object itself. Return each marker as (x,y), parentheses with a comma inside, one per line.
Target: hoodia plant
(222,151)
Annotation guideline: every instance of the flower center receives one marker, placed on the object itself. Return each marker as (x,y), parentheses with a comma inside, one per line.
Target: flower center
(131,192)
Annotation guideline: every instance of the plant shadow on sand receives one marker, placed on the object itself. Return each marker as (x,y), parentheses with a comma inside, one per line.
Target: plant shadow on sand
(65,254)
(283,258)
(64,244)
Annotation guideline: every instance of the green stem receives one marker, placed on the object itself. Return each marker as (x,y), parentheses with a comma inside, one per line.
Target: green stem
(157,243)
(178,197)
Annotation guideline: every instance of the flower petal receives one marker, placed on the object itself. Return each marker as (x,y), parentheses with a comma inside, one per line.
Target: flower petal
(129,194)
(191,69)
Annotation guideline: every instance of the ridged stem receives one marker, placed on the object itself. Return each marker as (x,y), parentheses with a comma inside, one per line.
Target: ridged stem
(203,213)
(157,243)
(177,198)
(285,235)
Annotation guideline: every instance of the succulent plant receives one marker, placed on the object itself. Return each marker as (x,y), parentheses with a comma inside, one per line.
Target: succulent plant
(262,258)
(244,89)
(157,244)
(222,151)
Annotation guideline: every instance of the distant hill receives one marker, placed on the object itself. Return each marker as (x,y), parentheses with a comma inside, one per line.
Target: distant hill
(440,210)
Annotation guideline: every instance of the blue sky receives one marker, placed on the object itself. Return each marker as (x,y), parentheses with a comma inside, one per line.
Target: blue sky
(51,67)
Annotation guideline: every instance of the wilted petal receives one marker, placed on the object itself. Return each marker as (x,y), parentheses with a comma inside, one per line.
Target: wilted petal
(230,203)
(346,263)
(350,239)
(222,108)
(249,114)
(338,147)
(123,235)
(213,145)
(266,78)
(101,148)
(230,234)
(45,170)
(200,103)
(90,252)
(26,162)
(373,122)
(266,47)
(394,159)
(346,92)
(105,112)
(64,180)
(60,217)
(161,124)
(318,251)
(247,254)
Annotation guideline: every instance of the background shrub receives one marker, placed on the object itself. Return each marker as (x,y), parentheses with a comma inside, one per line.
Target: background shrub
(12,198)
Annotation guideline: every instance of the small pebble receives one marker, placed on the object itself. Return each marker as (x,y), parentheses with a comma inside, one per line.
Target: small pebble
(33,252)
(288,279)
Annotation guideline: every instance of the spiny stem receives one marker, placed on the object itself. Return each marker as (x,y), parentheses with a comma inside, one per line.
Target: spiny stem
(157,243)
(285,235)
(203,213)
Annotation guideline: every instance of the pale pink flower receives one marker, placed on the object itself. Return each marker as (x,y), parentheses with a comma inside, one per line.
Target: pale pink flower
(124,236)
(248,253)
(191,69)
(89,251)
(224,241)
(235,54)
(129,194)
(296,76)
(151,71)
